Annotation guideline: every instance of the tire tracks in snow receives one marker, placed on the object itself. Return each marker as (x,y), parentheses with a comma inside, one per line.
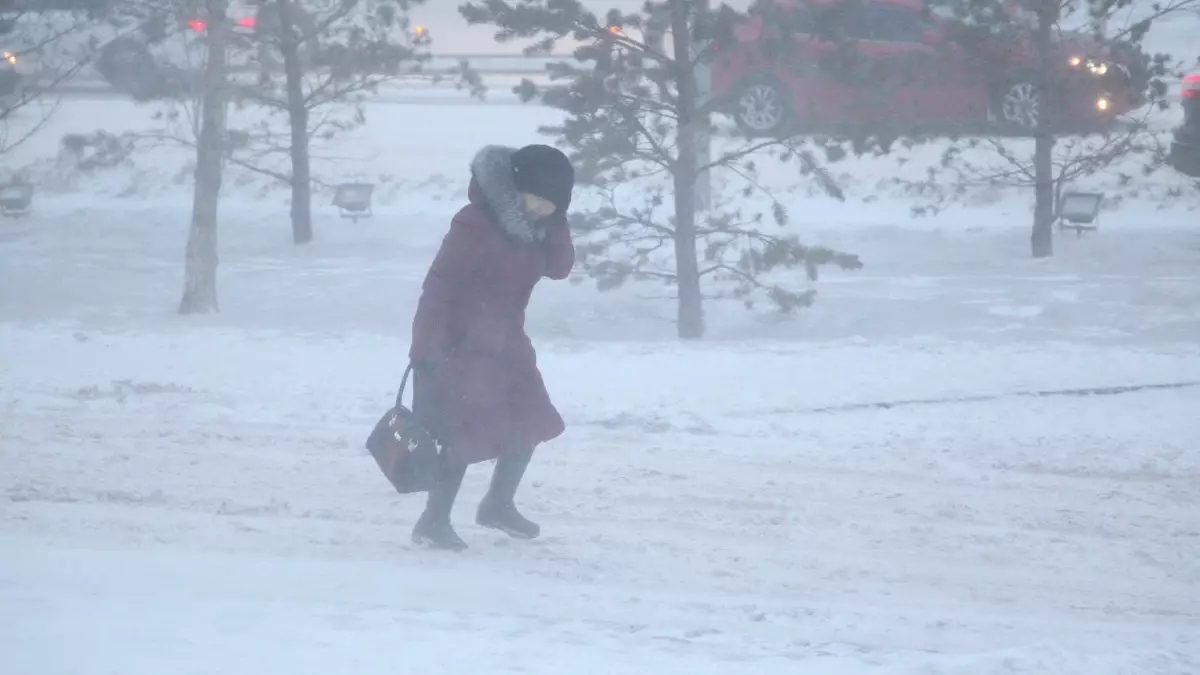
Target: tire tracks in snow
(985,398)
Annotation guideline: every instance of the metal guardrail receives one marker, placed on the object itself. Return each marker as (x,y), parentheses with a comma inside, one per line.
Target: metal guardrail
(507,67)
(498,64)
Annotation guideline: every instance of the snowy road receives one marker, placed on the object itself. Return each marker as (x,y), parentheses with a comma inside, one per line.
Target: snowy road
(217,506)
(192,496)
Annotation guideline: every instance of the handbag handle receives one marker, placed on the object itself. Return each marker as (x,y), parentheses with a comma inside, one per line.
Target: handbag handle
(403,383)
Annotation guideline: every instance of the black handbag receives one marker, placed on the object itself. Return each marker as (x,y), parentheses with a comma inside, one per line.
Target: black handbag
(403,448)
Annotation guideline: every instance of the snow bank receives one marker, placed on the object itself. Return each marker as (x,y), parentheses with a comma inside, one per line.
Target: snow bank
(416,149)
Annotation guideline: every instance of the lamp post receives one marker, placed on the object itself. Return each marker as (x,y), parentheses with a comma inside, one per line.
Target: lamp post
(354,200)
(16,199)
(1079,210)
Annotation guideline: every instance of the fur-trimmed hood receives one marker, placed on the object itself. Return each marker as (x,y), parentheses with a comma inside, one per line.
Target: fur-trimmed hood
(491,172)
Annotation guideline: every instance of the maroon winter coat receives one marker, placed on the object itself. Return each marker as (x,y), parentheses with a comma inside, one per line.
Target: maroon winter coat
(482,394)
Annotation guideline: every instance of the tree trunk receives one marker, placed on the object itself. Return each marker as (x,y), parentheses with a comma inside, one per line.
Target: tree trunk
(289,47)
(200,267)
(687,266)
(702,76)
(1042,239)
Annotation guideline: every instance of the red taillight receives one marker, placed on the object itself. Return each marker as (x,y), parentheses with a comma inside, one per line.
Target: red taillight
(1191,86)
(199,25)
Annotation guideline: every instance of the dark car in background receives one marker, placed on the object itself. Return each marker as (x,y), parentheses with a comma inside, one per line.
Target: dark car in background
(1185,147)
(815,64)
(143,49)
(158,47)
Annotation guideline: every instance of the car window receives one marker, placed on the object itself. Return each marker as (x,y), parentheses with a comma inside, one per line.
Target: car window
(895,24)
(59,5)
(841,21)
(795,21)
(856,24)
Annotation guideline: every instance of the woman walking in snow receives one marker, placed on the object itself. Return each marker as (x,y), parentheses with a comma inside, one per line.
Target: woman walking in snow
(477,387)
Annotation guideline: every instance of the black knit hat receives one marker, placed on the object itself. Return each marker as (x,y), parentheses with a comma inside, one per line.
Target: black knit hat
(545,172)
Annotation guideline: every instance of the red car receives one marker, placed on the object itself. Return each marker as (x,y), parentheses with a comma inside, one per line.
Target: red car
(886,64)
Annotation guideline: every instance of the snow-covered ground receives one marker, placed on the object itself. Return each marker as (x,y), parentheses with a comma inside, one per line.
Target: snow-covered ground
(192,496)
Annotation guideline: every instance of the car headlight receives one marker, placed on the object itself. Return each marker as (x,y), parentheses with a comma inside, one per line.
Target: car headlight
(1093,66)
(10,58)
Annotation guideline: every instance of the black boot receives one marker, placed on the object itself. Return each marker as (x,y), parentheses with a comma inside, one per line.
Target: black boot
(433,528)
(497,510)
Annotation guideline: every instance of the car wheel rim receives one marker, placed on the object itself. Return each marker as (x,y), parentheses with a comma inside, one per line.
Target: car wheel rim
(1021,105)
(760,107)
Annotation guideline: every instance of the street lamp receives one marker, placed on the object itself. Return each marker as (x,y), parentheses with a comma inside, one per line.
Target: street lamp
(1079,210)
(354,200)
(16,199)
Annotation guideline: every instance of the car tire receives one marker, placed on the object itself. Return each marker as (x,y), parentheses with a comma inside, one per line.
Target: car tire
(762,107)
(1017,105)
(128,66)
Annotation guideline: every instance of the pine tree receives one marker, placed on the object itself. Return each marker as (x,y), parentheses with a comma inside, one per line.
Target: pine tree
(316,62)
(639,127)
